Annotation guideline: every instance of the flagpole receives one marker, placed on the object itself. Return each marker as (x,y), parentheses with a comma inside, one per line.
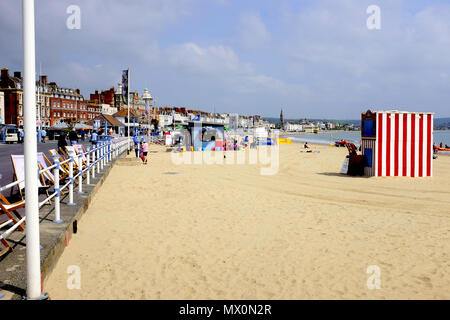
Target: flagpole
(33,257)
(128,103)
(39,106)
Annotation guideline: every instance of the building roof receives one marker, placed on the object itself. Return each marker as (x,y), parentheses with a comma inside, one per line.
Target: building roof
(113,122)
(124,113)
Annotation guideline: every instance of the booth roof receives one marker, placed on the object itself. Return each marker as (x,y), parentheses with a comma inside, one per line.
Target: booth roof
(203,124)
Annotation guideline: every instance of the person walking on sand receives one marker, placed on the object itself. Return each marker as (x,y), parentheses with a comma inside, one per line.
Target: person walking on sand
(136,146)
(144,146)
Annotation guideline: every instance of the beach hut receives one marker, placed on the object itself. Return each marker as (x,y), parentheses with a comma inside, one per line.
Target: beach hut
(397,143)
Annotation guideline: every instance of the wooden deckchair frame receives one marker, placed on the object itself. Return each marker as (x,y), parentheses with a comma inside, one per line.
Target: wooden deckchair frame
(81,153)
(64,167)
(10,210)
(76,157)
(62,173)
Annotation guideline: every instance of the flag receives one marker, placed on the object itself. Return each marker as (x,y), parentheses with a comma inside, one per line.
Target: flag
(125,86)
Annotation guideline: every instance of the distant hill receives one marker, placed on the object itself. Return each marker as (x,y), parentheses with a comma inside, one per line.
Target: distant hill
(442,123)
(439,123)
(277,120)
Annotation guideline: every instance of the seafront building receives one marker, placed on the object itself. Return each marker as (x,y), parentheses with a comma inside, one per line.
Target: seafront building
(57,105)
(2,108)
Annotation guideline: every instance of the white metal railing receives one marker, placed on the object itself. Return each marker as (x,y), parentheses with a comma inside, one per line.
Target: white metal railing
(96,157)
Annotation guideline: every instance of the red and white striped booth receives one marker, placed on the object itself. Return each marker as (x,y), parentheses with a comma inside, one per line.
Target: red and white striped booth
(397,143)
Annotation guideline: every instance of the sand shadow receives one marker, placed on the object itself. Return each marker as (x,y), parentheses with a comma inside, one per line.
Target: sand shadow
(337,174)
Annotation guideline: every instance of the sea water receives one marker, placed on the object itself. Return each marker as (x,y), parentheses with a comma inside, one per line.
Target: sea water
(331,137)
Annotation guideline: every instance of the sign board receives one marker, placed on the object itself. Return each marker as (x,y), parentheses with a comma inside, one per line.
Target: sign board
(344,168)
(168,139)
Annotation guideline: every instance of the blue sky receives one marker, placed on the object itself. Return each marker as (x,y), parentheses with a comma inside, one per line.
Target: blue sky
(313,58)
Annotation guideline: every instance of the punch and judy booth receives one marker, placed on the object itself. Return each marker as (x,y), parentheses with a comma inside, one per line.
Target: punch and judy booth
(397,143)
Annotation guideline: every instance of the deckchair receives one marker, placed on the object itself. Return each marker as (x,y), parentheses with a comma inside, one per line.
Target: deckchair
(66,153)
(10,210)
(18,162)
(47,163)
(81,152)
(48,175)
(74,151)
(64,167)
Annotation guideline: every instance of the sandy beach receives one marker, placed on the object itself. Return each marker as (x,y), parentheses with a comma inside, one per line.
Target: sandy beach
(166,231)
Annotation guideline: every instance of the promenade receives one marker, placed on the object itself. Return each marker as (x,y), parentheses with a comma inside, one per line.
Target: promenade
(54,237)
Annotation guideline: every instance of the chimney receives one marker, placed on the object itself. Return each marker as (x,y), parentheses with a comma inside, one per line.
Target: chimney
(77,91)
(17,74)
(43,80)
(96,91)
(4,73)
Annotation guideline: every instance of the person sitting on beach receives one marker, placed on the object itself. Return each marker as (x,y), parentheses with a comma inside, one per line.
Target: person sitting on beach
(306,145)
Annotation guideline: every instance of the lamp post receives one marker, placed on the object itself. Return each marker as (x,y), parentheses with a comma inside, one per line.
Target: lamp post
(31,187)
(147,97)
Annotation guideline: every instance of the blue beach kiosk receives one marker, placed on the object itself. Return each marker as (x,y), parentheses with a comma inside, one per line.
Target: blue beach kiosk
(206,135)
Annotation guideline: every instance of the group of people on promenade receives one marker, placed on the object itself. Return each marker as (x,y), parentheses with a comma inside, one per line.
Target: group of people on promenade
(141,149)
(73,138)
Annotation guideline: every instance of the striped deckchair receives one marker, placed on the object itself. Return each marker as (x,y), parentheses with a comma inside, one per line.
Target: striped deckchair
(10,210)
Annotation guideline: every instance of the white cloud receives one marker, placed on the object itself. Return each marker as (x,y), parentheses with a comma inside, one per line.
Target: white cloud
(252,30)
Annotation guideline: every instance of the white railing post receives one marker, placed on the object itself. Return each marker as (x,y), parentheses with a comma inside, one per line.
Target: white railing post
(71,203)
(88,166)
(93,161)
(102,156)
(57,191)
(80,176)
(98,157)
(106,153)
